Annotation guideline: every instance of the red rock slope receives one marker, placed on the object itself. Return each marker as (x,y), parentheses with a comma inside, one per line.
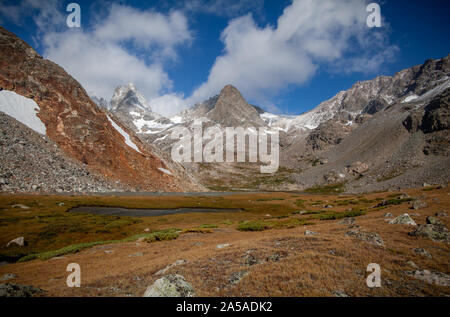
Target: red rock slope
(79,127)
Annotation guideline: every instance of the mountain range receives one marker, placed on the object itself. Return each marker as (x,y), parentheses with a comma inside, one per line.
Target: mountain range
(387,133)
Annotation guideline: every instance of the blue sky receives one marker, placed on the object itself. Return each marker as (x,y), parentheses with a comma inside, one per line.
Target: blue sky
(284,56)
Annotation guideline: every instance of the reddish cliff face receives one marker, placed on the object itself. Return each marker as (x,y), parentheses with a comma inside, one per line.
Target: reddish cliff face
(78,126)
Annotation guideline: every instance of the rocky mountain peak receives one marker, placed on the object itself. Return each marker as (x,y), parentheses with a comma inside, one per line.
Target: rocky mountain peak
(231,109)
(127,97)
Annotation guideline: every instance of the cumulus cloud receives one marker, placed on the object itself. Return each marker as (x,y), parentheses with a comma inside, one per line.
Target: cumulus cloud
(107,54)
(263,60)
(168,104)
(123,45)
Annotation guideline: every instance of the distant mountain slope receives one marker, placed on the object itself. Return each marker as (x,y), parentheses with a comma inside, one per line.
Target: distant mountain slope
(79,127)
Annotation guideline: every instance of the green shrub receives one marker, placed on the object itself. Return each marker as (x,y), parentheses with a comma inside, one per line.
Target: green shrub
(164,235)
(253,226)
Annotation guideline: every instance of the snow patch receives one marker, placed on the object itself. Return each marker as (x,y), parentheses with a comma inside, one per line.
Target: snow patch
(125,135)
(22,109)
(177,119)
(165,171)
(410,98)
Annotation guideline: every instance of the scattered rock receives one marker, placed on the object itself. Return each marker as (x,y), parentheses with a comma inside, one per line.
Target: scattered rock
(275,257)
(434,221)
(17,290)
(249,259)
(20,206)
(310,233)
(369,237)
(136,255)
(388,215)
(404,220)
(403,196)
(441,214)
(339,293)
(173,285)
(419,204)
(223,245)
(423,252)
(412,264)
(357,168)
(8,276)
(235,278)
(109,251)
(147,230)
(347,221)
(20,241)
(57,258)
(61,204)
(176,263)
(436,233)
(328,206)
(434,277)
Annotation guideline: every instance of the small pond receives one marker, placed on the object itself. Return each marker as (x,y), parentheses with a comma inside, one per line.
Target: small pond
(118,211)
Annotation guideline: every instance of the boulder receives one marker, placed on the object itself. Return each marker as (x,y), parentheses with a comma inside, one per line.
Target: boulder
(20,241)
(423,252)
(369,237)
(339,293)
(235,278)
(17,290)
(419,204)
(168,267)
(357,168)
(170,286)
(223,245)
(347,221)
(404,220)
(434,221)
(436,233)
(8,276)
(412,264)
(437,278)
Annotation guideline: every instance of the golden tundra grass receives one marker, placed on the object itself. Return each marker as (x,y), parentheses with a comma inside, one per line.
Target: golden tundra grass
(308,266)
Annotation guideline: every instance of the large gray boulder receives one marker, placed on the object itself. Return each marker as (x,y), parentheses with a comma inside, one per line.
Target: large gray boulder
(173,285)
(369,237)
(404,219)
(17,290)
(434,221)
(434,232)
(437,278)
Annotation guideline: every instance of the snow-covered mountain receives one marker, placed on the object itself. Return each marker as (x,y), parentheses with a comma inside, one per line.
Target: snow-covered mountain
(133,110)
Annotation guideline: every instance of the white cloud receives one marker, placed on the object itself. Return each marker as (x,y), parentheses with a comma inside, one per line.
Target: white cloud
(121,45)
(107,55)
(263,60)
(168,105)
(101,66)
(145,29)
